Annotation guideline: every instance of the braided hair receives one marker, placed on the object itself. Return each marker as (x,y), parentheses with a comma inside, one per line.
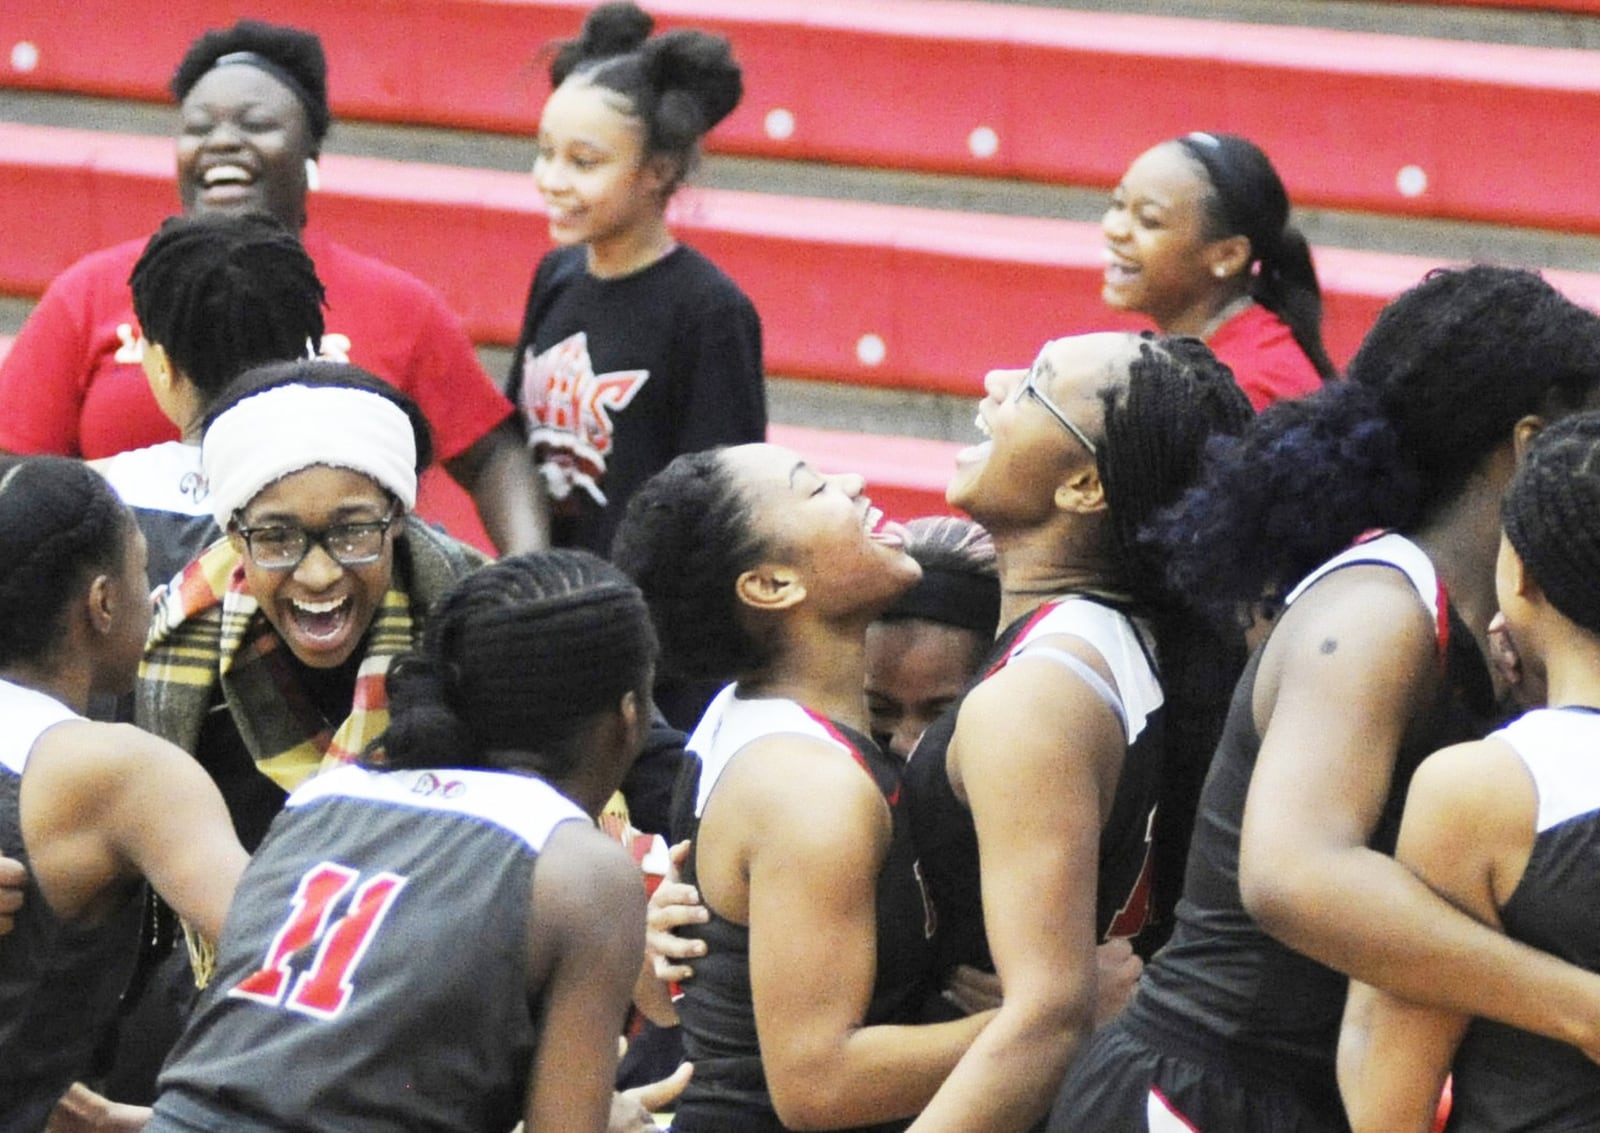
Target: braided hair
(221,294)
(518,659)
(1177,399)
(291,55)
(1552,517)
(960,584)
(1247,198)
(60,526)
(685,538)
(1445,373)
(678,84)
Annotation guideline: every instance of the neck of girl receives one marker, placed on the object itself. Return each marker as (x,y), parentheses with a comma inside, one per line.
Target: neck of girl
(1033,572)
(823,669)
(69,685)
(1462,540)
(1205,317)
(631,250)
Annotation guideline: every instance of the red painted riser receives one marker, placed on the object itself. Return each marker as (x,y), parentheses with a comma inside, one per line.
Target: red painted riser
(1497,131)
(949,295)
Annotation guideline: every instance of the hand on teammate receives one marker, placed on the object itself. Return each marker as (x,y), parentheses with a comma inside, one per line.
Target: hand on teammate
(632,1110)
(673,905)
(13,880)
(81,1110)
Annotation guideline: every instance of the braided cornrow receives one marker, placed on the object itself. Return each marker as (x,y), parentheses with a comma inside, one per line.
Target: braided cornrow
(1552,517)
(222,294)
(517,659)
(60,525)
(685,538)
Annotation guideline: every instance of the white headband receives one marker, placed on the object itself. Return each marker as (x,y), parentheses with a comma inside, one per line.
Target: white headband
(282,430)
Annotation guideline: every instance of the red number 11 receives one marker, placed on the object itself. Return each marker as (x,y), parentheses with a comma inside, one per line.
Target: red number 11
(322,990)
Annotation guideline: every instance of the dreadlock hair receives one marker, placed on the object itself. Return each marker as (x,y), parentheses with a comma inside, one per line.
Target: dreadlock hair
(1178,397)
(685,538)
(1552,517)
(678,84)
(60,526)
(291,55)
(1247,198)
(318,372)
(1445,373)
(221,294)
(517,660)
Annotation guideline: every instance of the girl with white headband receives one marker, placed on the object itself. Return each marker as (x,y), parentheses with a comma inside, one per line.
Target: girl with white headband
(292,620)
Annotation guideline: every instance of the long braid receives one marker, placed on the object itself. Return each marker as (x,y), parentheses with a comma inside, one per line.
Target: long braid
(1177,399)
(516,659)
(222,294)
(60,524)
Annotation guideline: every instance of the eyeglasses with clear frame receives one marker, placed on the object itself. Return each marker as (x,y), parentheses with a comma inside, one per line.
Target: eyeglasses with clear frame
(284,546)
(1030,388)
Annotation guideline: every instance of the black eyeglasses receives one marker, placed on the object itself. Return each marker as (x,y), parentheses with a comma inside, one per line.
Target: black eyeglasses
(284,547)
(1029,387)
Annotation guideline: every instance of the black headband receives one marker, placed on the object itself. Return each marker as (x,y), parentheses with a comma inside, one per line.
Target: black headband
(1241,213)
(951,597)
(262,63)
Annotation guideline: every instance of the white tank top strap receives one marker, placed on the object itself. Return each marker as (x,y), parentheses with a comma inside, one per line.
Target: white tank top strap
(1396,551)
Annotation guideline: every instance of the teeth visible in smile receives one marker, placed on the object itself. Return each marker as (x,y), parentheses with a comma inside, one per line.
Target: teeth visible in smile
(870,521)
(327,607)
(226,175)
(983,426)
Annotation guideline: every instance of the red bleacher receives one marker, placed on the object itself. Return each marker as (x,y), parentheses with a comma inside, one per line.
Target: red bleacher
(905,475)
(1376,122)
(873,294)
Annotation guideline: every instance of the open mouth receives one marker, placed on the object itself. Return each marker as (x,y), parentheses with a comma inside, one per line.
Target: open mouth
(981,449)
(1117,269)
(881,529)
(321,623)
(227,182)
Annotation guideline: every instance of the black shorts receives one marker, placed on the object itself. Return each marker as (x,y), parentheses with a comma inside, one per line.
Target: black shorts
(1122,1083)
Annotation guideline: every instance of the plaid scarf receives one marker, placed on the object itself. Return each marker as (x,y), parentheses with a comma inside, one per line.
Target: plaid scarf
(208,631)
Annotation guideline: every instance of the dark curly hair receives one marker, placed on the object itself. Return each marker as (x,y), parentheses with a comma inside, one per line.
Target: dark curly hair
(1247,198)
(685,538)
(678,84)
(291,55)
(1445,373)
(221,294)
(516,661)
(60,526)
(1552,517)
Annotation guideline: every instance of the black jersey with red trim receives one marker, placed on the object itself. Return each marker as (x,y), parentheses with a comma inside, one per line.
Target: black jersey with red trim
(372,972)
(1223,985)
(1510,1079)
(728,1093)
(59,979)
(947,840)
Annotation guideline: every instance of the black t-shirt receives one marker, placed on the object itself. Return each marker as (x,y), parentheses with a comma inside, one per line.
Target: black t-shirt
(615,377)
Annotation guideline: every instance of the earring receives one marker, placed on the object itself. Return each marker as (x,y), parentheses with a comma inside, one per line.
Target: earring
(1219,271)
(313,175)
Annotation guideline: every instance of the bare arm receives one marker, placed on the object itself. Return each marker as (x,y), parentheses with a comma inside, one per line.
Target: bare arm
(104,803)
(585,940)
(813,850)
(1467,832)
(1350,663)
(511,500)
(1024,736)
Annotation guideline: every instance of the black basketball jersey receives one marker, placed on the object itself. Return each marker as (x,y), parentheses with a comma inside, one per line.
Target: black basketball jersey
(1510,1079)
(946,838)
(372,971)
(728,1093)
(59,980)
(1222,985)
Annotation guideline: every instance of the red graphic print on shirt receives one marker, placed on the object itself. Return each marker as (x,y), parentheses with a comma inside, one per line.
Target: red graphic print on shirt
(568,408)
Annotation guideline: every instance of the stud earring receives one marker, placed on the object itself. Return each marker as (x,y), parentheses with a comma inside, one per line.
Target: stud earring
(1219,271)
(313,175)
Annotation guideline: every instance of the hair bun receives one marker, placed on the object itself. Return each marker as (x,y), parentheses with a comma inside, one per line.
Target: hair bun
(611,29)
(701,66)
